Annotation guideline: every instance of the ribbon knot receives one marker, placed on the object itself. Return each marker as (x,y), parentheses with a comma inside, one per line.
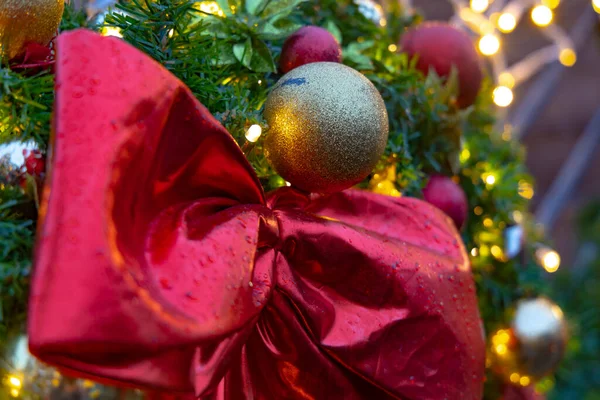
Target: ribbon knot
(161,263)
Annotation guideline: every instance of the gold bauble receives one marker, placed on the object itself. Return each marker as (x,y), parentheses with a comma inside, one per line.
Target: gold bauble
(328,127)
(534,345)
(24,21)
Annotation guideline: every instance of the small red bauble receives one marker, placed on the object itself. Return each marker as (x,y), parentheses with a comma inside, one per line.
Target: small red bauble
(446,195)
(440,46)
(308,45)
(35,163)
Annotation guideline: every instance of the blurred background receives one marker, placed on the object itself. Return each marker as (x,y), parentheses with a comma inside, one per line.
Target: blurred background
(552,110)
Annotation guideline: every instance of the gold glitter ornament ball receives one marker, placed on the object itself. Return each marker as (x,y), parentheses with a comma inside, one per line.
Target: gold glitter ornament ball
(535,344)
(24,21)
(328,127)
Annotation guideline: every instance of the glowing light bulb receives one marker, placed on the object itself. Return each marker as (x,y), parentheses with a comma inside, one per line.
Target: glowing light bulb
(489,44)
(14,392)
(551,3)
(465,154)
(210,7)
(392,47)
(541,15)
(524,381)
(488,178)
(14,382)
(479,6)
(514,377)
(596,5)
(548,258)
(502,96)
(567,57)
(507,22)
(111,31)
(253,133)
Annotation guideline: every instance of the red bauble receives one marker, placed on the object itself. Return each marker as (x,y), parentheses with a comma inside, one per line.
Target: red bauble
(446,195)
(308,45)
(440,46)
(35,163)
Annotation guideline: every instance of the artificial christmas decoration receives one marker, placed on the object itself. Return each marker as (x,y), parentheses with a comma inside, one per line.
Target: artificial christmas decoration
(308,45)
(202,283)
(153,197)
(328,127)
(535,343)
(445,194)
(35,162)
(440,46)
(25,21)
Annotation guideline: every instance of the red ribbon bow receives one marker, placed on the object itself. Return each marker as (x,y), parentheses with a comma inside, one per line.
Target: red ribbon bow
(161,264)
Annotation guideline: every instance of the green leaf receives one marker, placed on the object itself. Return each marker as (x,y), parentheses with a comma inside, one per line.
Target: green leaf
(277,9)
(225,55)
(243,52)
(253,7)
(281,30)
(334,30)
(262,59)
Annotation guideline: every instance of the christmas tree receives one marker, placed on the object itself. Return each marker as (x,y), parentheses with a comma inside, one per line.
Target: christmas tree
(319,97)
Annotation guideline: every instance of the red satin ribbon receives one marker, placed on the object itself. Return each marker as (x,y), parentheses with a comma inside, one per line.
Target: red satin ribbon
(162,265)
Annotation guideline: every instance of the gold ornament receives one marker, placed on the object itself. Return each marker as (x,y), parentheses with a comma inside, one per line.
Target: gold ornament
(24,21)
(534,345)
(328,127)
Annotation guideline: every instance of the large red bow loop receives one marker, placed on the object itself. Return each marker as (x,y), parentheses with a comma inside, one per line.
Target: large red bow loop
(160,263)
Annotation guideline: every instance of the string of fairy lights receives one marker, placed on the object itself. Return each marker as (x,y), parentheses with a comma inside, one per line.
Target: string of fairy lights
(489,20)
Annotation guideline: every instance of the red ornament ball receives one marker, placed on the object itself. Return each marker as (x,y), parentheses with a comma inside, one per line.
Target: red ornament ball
(35,163)
(308,45)
(446,195)
(440,46)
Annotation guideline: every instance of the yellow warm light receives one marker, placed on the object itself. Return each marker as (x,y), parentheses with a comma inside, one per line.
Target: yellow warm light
(392,47)
(14,392)
(506,79)
(526,190)
(111,31)
(514,377)
(497,252)
(488,223)
(253,133)
(550,260)
(14,382)
(287,183)
(502,96)
(501,349)
(474,252)
(465,154)
(551,3)
(507,22)
(479,6)
(383,22)
(524,381)
(489,44)
(210,7)
(596,5)
(490,179)
(541,15)
(478,210)
(567,57)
